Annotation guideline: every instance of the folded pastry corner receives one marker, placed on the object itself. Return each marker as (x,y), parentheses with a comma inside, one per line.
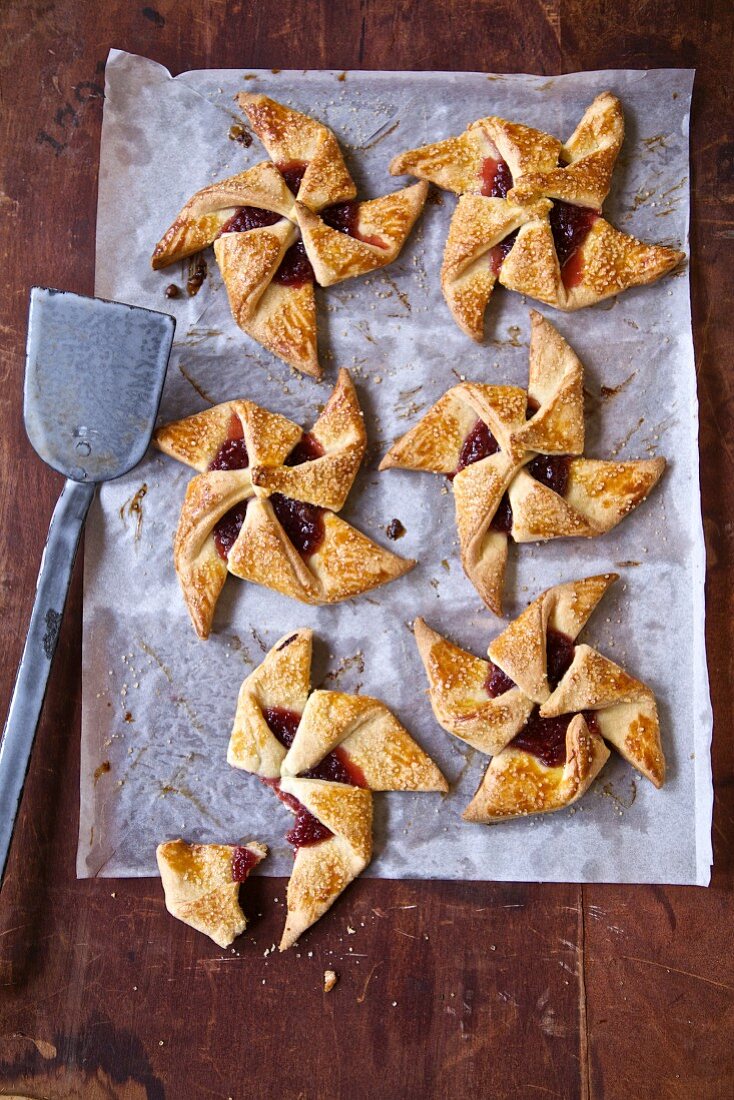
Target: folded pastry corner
(332,837)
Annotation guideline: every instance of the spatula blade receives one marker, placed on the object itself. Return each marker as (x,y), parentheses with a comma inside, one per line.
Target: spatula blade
(94,375)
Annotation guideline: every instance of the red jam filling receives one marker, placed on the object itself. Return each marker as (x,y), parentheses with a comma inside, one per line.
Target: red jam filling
(478,445)
(295,268)
(307,829)
(552,471)
(232,455)
(559,650)
(497,682)
(243,860)
(226,531)
(336,767)
(500,252)
(344,216)
(303,523)
(282,723)
(546,737)
(496,178)
(249,217)
(502,519)
(306,450)
(570,226)
(293,172)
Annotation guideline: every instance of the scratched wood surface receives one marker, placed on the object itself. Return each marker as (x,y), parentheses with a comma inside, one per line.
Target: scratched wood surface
(486,990)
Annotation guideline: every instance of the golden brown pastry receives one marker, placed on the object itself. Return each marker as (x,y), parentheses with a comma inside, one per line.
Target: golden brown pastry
(322,752)
(529,215)
(515,460)
(287,223)
(332,837)
(264,504)
(283,729)
(201,883)
(542,706)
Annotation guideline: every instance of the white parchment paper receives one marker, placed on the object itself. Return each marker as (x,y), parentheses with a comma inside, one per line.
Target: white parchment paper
(158,703)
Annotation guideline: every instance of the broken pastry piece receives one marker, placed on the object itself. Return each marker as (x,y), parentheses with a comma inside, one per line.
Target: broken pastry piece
(322,753)
(332,845)
(542,706)
(264,504)
(515,459)
(286,224)
(201,883)
(529,215)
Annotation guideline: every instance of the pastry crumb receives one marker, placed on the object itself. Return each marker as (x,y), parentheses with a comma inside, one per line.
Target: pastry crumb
(330,979)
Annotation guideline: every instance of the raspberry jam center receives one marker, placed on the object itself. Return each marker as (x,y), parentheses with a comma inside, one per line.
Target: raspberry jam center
(307,829)
(496,178)
(243,860)
(336,767)
(570,225)
(228,528)
(295,268)
(497,682)
(479,444)
(552,471)
(249,217)
(282,723)
(293,172)
(502,519)
(306,450)
(232,455)
(303,523)
(559,651)
(499,253)
(546,737)
(344,217)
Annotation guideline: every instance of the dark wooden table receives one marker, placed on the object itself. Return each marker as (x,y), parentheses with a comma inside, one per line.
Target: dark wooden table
(453,990)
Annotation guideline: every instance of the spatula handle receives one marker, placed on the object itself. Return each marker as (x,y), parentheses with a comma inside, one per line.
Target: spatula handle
(35,664)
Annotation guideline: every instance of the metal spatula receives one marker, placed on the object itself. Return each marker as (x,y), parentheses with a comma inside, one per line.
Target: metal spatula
(93,381)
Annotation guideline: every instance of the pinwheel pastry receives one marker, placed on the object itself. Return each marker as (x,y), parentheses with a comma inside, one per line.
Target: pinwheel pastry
(264,504)
(515,459)
(201,883)
(529,215)
(287,223)
(322,752)
(542,706)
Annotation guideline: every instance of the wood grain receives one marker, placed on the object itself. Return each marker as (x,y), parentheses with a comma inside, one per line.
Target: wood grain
(488,990)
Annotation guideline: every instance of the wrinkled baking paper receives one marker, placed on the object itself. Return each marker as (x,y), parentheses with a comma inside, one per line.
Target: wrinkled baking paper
(159,703)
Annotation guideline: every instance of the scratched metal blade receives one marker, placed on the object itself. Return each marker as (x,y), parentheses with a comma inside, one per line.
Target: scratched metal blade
(94,375)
